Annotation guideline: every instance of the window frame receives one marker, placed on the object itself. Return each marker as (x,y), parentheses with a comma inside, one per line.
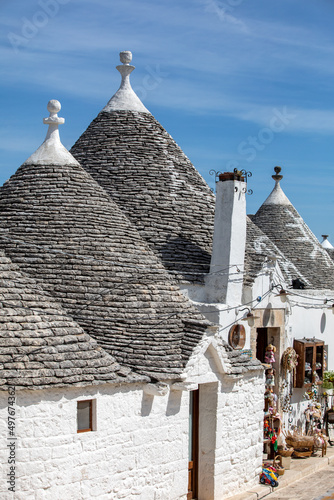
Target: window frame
(90,428)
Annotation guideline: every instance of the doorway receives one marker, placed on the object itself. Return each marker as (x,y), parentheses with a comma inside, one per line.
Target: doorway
(261,343)
(193,445)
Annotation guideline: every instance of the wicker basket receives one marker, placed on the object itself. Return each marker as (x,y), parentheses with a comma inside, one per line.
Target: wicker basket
(303,452)
(285,453)
(305,442)
(278,466)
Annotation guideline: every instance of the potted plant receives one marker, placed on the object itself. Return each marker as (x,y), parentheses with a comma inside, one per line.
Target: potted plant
(328,382)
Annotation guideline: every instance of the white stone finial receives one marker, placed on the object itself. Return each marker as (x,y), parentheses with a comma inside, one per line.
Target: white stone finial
(52,152)
(125,98)
(125,56)
(53,107)
(277,196)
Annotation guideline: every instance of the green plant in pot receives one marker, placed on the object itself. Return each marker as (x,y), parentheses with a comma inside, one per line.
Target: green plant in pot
(328,381)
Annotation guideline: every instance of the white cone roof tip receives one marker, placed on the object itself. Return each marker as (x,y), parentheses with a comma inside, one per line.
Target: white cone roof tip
(52,152)
(125,98)
(277,196)
(325,243)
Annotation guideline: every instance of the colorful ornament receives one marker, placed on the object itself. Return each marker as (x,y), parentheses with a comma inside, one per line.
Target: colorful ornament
(269,356)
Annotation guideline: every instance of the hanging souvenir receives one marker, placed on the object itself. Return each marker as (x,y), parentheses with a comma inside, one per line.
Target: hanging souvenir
(269,356)
(270,377)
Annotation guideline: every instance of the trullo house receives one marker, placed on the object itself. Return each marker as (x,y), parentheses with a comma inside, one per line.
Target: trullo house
(137,307)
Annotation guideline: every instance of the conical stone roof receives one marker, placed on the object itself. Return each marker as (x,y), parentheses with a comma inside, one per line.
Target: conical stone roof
(61,227)
(41,346)
(260,248)
(327,246)
(130,154)
(330,252)
(146,173)
(281,222)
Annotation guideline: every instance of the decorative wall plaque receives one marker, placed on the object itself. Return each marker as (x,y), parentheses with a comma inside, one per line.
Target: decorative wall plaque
(237,336)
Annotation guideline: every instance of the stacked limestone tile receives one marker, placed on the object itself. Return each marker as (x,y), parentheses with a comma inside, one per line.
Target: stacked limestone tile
(145,172)
(41,346)
(63,230)
(281,222)
(260,248)
(130,154)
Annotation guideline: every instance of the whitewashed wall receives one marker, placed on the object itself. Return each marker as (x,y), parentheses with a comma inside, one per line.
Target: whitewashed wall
(240,431)
(139,449)
(231,423)
(306,314)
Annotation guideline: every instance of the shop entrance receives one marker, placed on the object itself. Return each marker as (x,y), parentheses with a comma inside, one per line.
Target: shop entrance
(202,441)
(193,445)
(261,343)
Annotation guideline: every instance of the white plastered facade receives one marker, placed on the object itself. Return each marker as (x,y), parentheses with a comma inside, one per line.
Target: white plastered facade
(139,446)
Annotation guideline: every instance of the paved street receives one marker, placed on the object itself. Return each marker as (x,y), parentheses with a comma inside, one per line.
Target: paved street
(317,486)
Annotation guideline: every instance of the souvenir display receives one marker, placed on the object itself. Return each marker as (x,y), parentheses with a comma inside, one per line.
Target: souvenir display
(269,476)
(295,442)
(289,360)
(269,356)
(270,377)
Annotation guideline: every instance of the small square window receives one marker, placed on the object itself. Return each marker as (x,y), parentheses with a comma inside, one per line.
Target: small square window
(85,415)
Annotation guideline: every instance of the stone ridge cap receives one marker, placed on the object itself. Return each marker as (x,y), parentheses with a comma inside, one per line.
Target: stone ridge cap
(51,151)
(277,197)
(125,98)
(326,244)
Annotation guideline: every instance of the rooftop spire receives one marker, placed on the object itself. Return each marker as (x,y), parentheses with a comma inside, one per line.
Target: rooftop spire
(277,177)
(325,243)
(125,98)
(52,152)
(277,196)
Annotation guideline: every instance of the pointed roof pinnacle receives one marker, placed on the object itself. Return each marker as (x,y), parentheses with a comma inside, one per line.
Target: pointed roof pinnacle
(325,243)
(53,119)
(277,196)
(52,152)
(125,98)
(277,177)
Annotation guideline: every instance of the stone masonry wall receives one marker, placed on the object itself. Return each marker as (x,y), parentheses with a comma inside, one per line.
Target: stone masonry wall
(231,424)
(138,451)
(239,435)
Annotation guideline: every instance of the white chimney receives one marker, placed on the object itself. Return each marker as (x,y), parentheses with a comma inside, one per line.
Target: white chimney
(225,282)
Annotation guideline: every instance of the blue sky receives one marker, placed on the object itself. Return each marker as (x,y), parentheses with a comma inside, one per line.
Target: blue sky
(236,83)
